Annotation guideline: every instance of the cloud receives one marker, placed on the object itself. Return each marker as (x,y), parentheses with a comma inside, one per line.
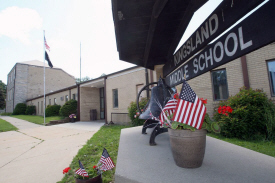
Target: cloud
(17,23)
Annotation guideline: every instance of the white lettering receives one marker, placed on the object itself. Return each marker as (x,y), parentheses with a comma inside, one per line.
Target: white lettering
(201,57)
(242,44)
(208,57)
(195,64)
(198,39)
(218,44)
(216,23)
(235,39)
(204,32)
(186,71)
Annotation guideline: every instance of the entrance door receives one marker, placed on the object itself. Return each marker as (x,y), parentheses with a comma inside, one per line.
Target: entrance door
(102,102)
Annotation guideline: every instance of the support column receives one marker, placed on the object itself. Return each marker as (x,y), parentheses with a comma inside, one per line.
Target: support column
(245,72)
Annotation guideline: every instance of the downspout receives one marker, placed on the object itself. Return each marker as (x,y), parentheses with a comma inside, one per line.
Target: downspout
(105,101)
(78,102)
(14,86)
(245,72)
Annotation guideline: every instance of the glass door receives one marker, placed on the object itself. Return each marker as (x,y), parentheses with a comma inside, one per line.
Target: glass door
(102,102)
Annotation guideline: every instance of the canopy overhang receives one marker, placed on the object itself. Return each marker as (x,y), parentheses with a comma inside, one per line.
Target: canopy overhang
(148,31)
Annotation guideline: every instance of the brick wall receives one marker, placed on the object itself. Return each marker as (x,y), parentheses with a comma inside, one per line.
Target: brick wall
(89,99)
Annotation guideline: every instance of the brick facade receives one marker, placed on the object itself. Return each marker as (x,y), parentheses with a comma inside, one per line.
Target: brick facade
(27,81)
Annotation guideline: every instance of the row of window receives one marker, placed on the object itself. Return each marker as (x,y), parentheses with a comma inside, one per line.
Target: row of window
(50,103)
(219,81)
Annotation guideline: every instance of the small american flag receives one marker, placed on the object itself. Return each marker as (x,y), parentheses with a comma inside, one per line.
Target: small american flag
(168,109)
(107,162)
(81,171)
(46,45)
(190,109)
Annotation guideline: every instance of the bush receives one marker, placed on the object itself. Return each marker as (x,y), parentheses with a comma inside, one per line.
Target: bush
(52,110)
(31,110)
(6,114)
(132,112)
(68,108)
(253,116)
(20,108)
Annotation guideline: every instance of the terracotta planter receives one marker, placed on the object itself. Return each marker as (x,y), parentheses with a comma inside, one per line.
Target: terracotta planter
(188,147)
(96,179)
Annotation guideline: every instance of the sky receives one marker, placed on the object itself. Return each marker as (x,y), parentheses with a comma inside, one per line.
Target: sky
(66,24)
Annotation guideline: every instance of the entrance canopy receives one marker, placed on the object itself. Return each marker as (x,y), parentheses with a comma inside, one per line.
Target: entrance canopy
(148,31)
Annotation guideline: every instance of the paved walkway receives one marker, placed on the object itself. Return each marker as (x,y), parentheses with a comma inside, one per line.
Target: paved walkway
(38,153)
(138,162)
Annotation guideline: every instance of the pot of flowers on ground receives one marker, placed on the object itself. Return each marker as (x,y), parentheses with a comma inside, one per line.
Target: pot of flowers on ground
(81,175)
(72,117)
(187,121)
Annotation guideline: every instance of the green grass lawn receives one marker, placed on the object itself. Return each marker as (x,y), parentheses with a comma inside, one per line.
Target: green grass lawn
(107,137)
(265,147)
(37,119)
(6,126)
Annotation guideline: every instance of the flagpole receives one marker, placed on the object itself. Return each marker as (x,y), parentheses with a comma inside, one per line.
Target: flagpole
(44,75)
(80,63)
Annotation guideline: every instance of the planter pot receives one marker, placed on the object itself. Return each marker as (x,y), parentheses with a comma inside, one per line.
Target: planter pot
(72,120)
(188,147)
(96,179)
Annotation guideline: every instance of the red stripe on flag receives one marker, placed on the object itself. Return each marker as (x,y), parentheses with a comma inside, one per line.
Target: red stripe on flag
(202,118)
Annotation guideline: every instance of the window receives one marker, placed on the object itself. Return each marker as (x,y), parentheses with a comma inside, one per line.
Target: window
(54,101)
(67,98)
(115,98)
(41,107)
(49,101)
(219,81)
(271,74)
(37,108)
(62,98)
(74,96)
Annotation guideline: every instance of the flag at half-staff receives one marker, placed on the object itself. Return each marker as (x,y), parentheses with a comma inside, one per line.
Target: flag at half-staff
(106,161)
(48,59)
(81,171)
(190,109)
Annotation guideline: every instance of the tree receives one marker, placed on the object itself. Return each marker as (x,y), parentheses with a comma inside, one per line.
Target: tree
(86,78)
(2,99)
(3,91)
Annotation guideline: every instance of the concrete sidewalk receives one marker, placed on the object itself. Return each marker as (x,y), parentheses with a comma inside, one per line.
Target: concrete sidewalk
(38,153)
(138,162)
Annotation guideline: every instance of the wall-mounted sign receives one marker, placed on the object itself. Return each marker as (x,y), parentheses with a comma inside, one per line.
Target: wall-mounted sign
(224,16)
(254,32)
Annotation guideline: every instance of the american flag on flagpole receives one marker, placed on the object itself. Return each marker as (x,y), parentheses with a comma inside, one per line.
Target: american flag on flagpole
(190,109)
(168,109)
(46,45)
(81,171)
(107,162)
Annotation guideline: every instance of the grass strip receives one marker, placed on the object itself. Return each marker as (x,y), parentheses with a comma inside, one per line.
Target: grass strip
(261,146)
(37,119)
(107,137)
(6,126)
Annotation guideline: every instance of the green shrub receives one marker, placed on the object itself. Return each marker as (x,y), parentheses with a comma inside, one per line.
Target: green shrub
(6,114)
(252,117)
(68,108)
(132,112)
(31,110)
(52,110)
(20,108)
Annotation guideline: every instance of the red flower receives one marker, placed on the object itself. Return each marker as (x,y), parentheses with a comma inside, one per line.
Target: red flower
(204,101)
(66,170)
(94,166)
(176,96)
(220,110)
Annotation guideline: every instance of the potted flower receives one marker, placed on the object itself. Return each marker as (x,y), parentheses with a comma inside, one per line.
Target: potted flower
(73,117)
(187,122)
